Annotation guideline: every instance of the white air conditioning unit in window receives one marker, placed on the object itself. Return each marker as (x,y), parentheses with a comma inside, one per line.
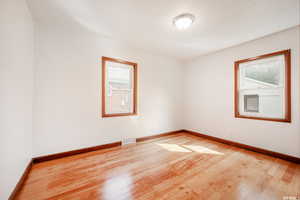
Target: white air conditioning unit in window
(251,103)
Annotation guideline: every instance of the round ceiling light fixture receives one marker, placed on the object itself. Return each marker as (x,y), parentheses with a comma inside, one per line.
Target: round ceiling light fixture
(183,21)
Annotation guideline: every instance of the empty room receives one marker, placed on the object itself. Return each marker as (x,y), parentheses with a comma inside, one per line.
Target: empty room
(150,100)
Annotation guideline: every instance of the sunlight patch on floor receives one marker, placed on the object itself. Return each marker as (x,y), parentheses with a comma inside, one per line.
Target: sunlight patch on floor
(201,149)
(188,148)
(173,147)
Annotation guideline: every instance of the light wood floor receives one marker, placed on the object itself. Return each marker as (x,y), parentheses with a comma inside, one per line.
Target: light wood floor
(180,166)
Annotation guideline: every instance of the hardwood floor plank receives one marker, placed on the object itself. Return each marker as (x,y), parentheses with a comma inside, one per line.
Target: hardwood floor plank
(179,166)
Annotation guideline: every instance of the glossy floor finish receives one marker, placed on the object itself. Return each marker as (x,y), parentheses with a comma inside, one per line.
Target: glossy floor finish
(180,166)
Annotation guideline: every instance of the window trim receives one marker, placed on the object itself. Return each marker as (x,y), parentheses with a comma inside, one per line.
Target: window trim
(287,58)
(132,64)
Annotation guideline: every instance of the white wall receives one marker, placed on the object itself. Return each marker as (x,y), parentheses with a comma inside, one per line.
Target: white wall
(209,96)
(68,92)
(16,92)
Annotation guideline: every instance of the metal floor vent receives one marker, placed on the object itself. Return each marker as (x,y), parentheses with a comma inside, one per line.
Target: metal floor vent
(126,141)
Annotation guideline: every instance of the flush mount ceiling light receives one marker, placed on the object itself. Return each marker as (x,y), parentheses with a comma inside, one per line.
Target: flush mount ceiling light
(183,21)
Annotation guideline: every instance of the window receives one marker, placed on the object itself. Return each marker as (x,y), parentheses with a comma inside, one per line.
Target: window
(263,87)
(119,87)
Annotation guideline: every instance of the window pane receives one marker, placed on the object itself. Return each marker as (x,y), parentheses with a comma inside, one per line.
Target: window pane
(268,72)
(261,87)
(263,73)
(119,88)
